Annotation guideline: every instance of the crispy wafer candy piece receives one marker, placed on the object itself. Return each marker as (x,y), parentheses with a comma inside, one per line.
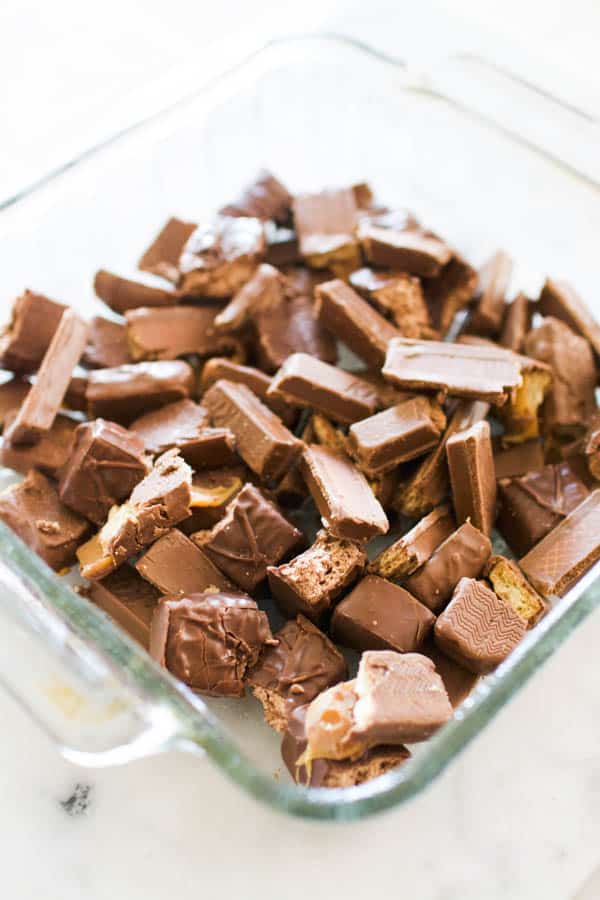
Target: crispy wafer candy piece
(326,224)
(560,300)
(414,548)
(218,258)
(397,295)
(494,280)
(24,341)
(176,565)
(162,256)
(185,425)
(511,585)
(473,476)
(128,599)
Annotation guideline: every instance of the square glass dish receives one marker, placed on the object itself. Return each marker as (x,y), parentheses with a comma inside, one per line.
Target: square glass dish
(484,160)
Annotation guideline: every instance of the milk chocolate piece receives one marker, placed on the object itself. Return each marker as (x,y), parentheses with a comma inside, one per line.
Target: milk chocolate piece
(570,400)
(458,681)
(511,586)
(325,224)
(178,331)
(282,245)
(127,599)
(306,381)
(33,510)
(24,341)
(220,367)
(288,327)
(533,504)
(408,250)
(176,565)
(560,300)
(460,370)
(354,322)
(185,425)
(519,459)
(591,446)
(162,256)
(159,501)
(478,629)
(379,615)
(311,582)
(104,466)
(342,495)
(567,552)
(291,490)
(387,394)
(38,412)
(251,536)
(263,442)
(121,294)
(264,198)
(107,344)
(212,491)
(267,285)
(517,322)
(398,296)
(396,435)
(49,455)
(12,394)
(449,292)
(294,670)
(125,392)
(462,555)
(209,641)
(494,280)
(414,548)
(75,397)
(473,476)
(220,257)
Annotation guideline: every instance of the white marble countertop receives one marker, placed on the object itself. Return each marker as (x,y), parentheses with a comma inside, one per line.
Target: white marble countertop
(517,816)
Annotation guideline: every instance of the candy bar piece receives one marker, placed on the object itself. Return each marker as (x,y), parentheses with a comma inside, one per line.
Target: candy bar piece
(494,279)
(162,256)
(266,285)
(477,372)
(342,495)
(571,399)
(309,382)
(212,491)
(262,440)
(521,414)
(288,327)
(473,476)
(387,394)
(396,435)
(591,446)
(220,257)
(282,245)
(428,485)
(104,466)
(185,425)
(478,628)
(334,773)
(107,345)
(177,331)
(354,321)
(408,250)
(518,459)
(75,396)
(291,672)
(559,300)
(208,640)
(567,552)
(379,615)
(176,565)
(449,292)
(458,681)
(414,548)
(462,555)
(325,224)
(517,322)
(533,504)
(49,455)
(38,412)
(121,294)
(264,198)
(24,341)
(34,512)
(511,586)
(259,383)
(291,490)
(159,501)
(128,599)
(398,296)
(125,392)
(12,394)
(251,536)
(311,582)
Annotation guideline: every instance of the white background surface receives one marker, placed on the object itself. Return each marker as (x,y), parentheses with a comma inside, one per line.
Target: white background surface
(518,816)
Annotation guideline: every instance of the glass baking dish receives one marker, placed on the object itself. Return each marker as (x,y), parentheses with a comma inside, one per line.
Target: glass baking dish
(482,158)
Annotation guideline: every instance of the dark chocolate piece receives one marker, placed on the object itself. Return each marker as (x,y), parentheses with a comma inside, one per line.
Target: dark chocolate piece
(177,331)
(262,440)
(511,586)
(259,383)
(126,392)
(517,322)
(342,495)
(519,459)
(325,224)
(12,394)
(449,292)
(220,257)
(408,250)
(49,455)
(107,344)
(24,341)
(185,425)
(251,536)
(176,565)
(128,599)
(414,548)
(33,510)
(462,555)
(209,641)
(560,300)
(121,294)
(104,466)
(478,629)
(473,476)
(494,280)
(264,198)
(311,582)
(309,382)
(162,256)
(398,296)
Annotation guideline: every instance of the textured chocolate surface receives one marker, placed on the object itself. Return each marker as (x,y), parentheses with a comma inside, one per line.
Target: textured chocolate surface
(177,331)
(259,383)
(449,292)
(263,198)
(35,513)
(342,495)
(414,548)
(185,426)
(24,341)
(409,250)
(494,280)
(517,322)
(209,641)
(121,294)
(473,476)
(162,256)
(478,629)
(519,459)
(128,599)
(176,565)
(49,455)
(250,537)
(462,555)
(325,224)
(105,464)
(560,300)
(107,344)
(125,392)
(379,615)
(219,257)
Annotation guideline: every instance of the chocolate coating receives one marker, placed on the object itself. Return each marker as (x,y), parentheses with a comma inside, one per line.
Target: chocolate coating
(415,547)
(176,565)
(494,280)
(162,256)
(24,341)
(409,250)
(259,383)
(127,599)
(176,331)
(49,455)
(560,300)
(121,294)
(473,476)
(125,392)
(107,345)
(325,225)
(265,197)
(450,291)
(518,460)
(218,258)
